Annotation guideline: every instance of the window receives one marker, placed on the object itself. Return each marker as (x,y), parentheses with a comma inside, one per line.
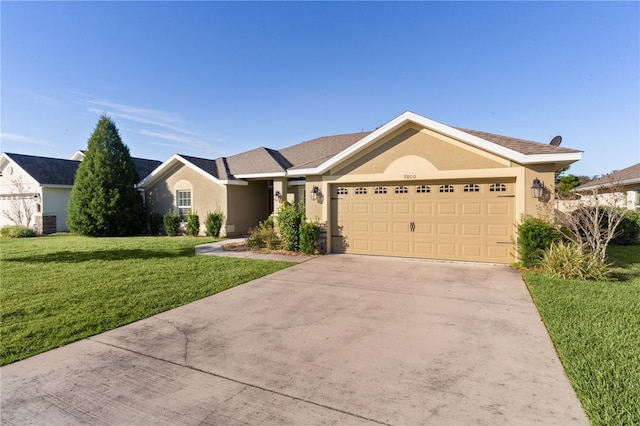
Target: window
(401,190)
(497,187)
(342,190)
(423,189)
(446,188)
(361,190)
(184,204)
(472,187)
(380,190)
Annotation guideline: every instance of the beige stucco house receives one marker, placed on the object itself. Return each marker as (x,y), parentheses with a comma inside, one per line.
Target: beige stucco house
(620,188)
(413,187)
(38,188)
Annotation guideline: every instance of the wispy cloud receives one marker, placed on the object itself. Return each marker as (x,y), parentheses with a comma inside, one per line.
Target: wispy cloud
(154,123)
(40,98)
(182,140)
(152,119)
(24,139)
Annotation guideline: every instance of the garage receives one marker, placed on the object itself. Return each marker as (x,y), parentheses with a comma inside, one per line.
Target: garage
(455,220)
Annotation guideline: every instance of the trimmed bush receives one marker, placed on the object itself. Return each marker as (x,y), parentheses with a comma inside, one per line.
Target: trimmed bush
(288,223)
(213,223)
(193,224)
(155,223)
(171,223)
(309,232)
(17,231)
(264,236)
(535,237)
(629,230)
(569,260)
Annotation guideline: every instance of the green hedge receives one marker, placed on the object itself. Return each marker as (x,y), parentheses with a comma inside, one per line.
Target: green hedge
(535,236)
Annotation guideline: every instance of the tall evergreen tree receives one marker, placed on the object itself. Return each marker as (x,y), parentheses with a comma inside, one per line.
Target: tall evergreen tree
(104,201)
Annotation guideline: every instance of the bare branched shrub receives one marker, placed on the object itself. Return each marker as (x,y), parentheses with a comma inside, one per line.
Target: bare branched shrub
(595,218)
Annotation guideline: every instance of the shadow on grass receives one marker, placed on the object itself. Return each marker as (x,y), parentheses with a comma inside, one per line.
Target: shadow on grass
(107,255)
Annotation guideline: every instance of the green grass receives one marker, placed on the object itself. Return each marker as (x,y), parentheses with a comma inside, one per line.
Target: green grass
(595,327)
(58,289)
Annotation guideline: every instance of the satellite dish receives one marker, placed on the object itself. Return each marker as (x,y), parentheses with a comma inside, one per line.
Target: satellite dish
(556,141)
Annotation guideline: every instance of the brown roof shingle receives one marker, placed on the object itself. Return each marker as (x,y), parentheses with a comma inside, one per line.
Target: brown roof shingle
(314,152)
(519,145)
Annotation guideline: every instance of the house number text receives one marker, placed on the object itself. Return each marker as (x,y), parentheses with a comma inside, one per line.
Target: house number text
(409,177)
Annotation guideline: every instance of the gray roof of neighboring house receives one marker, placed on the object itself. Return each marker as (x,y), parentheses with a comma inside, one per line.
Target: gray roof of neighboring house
(631,173)
(57,171)
(45,170)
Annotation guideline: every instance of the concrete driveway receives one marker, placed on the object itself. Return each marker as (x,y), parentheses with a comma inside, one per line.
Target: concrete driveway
(340,339)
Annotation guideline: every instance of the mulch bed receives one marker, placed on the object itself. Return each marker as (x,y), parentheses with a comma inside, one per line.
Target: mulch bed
(243,247)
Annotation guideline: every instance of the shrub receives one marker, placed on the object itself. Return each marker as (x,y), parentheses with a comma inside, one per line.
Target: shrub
(264,236)
(213,223)
(629,229)
(535,236)
(309,232)
(193,224)
(171,223)
(155,223)
(288,222)
(569,260)
(17,231)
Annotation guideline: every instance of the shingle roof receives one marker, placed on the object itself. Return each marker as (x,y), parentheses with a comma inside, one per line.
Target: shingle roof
(57,171)
(519,145)
(145,166)
(45,170)
(259,160)
(209,166)
(630,173)
(316,151)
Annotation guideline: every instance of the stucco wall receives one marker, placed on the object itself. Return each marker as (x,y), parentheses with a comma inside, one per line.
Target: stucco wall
(247,206)
(206,195)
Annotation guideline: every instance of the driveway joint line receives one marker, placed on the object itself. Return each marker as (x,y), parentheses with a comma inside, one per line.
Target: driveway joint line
(242,383)
(456,299)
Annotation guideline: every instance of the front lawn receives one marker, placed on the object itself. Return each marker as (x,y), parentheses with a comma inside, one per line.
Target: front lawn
(595,327)
(58,289)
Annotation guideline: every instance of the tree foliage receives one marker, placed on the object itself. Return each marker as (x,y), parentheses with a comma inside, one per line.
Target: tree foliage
(104,200)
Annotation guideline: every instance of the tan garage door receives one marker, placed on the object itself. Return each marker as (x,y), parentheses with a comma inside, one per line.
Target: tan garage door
(439,220)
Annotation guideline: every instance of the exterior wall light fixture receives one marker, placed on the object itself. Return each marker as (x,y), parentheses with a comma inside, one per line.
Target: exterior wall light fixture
(537,188)
(314,193)
(277,195)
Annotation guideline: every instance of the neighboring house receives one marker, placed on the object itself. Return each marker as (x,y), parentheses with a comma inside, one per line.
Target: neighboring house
(413,187)
(43,186)
(621,188)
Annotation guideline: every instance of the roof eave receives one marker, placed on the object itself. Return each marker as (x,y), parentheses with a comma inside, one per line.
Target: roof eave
(624,182)
(260,175)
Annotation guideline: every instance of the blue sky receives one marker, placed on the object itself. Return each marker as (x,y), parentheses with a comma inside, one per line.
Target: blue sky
(213,79)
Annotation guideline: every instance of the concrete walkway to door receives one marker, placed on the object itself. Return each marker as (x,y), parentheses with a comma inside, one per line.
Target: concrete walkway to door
(339,339)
